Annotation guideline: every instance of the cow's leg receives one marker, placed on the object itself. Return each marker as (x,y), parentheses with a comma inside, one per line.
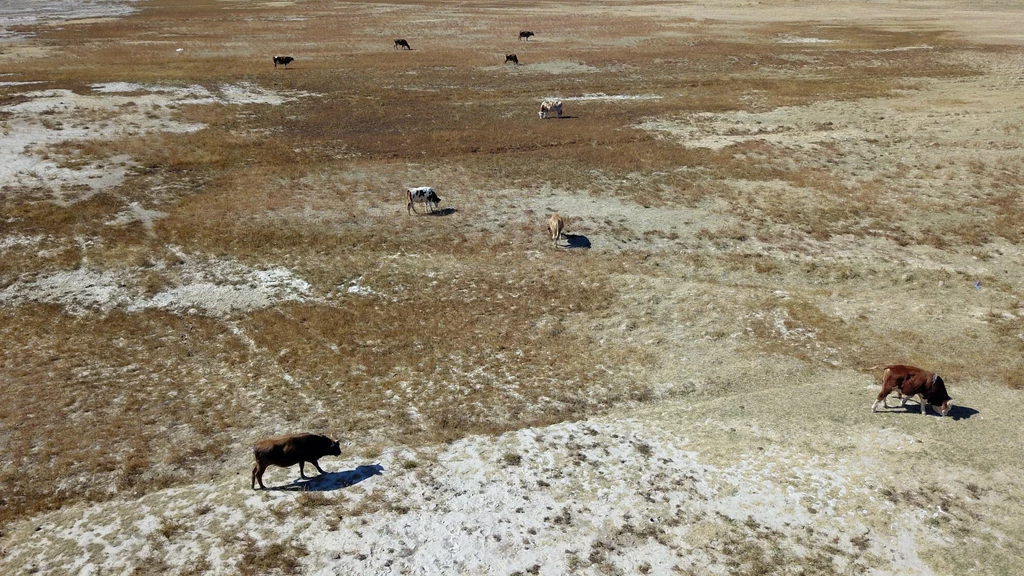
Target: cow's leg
(924,405)
(257,476)
(411,208)
(318,468)
(882,399)
(302,471)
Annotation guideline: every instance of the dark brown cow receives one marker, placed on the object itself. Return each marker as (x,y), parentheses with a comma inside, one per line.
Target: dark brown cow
(289,450)
(512,58)
(283,60)
(526,34)
(400,43)
(910,381)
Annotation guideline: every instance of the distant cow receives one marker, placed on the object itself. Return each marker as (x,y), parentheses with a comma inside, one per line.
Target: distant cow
(549,106)
(525,35)
(283,60)
(400,43)
(285,451)
(556,226)
(424,194)
(512,58)
(909,381)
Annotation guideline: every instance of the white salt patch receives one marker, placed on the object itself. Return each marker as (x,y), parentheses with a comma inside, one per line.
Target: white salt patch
(573,488)
(136,213)
(115,109)
(803,40)
(18,241)
(786,126)
(248,93)
(356,288)
(609,97)
(240,93)
(214,287)
(77,290)
(256,289)
(33,12)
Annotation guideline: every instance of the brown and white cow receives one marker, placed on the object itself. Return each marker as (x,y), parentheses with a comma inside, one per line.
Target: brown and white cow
(910,381)
(549,106)
(556,226)
(424,194)
(525,35)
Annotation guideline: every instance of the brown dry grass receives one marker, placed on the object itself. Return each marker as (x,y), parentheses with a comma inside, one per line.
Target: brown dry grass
(459,331)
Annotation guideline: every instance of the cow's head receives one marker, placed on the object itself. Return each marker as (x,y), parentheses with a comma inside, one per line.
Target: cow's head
(938,384)
(335,448)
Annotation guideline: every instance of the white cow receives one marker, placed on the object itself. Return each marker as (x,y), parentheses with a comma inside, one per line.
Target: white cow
(549,106)
(424,194)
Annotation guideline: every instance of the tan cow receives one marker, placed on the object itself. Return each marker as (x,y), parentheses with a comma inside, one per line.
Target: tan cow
(556,226)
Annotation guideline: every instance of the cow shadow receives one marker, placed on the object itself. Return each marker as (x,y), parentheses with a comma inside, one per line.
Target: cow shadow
(961,412)
(444,212)
(955,412)
(576,241)
(331,481)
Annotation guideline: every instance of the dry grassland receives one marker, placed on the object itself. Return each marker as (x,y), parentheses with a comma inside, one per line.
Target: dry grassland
(854,183)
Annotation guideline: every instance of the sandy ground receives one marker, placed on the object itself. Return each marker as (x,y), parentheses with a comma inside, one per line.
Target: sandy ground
(713,478)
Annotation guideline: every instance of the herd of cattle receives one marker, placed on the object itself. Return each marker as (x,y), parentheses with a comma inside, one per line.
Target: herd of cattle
(286,451)
(292,449)
(404,44)
(547,107)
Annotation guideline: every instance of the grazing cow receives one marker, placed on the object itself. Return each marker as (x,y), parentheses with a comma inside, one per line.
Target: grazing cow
(909,381)
(400,43)
(283,60)
(291,449)
(549,106)
(424,194)
(512,58)
(556,226)
(525,34)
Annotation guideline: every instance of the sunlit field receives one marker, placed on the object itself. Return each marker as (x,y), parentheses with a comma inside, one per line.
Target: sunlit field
(766,205)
